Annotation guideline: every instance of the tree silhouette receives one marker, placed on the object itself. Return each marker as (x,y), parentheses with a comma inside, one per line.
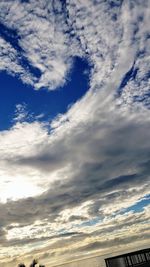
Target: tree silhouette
(33,263)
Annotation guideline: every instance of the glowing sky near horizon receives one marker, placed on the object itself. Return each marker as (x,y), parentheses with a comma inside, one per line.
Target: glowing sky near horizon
(74,129)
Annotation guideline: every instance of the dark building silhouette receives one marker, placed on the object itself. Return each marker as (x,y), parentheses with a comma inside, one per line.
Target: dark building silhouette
(140,258)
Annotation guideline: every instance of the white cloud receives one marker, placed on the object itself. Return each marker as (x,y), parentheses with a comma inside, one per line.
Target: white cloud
(83,159)
(95,160)
(42,40)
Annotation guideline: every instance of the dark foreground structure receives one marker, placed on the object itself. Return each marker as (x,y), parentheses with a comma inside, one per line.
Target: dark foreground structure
(140,258)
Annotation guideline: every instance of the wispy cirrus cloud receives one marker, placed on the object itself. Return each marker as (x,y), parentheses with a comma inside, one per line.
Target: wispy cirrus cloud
(41,41)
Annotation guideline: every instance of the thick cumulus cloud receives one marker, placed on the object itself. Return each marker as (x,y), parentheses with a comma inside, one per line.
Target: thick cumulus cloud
(69,184)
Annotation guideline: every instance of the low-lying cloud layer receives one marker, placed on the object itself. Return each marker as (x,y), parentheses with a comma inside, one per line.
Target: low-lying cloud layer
(66,187)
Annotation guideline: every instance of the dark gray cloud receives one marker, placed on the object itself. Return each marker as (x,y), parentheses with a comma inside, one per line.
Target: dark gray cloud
(117,160)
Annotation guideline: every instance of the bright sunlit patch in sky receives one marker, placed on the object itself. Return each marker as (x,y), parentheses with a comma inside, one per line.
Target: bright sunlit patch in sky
(43,105)
(15,188)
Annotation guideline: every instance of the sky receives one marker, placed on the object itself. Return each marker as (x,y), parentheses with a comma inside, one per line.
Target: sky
(74,130)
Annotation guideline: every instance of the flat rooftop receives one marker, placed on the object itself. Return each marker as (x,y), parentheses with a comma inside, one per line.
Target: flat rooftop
(139,258)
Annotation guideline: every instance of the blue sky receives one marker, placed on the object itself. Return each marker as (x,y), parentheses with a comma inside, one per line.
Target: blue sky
(47,104)
(74,129)
(140,205)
